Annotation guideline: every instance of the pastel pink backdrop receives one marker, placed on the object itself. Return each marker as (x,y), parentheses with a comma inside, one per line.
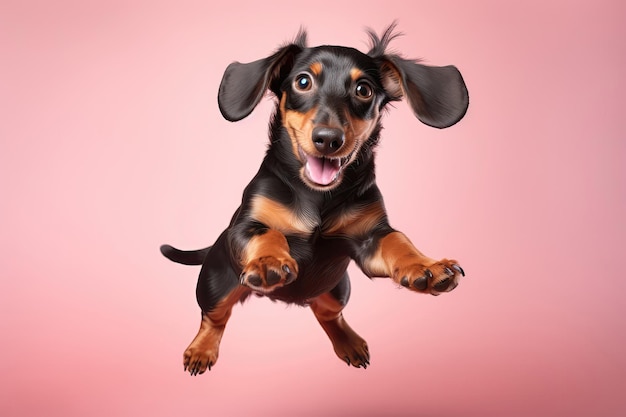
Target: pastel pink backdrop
(112,144)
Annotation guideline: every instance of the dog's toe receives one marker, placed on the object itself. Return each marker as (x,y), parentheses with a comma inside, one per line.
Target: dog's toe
(268,273)
(436,278)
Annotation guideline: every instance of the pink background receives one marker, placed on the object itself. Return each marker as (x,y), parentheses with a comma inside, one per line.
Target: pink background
(112,143)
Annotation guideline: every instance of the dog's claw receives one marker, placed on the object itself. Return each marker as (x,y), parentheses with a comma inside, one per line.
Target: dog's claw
(290,275)
(419,278)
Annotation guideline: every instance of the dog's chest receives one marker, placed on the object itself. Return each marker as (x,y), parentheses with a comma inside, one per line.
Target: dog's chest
(309,221)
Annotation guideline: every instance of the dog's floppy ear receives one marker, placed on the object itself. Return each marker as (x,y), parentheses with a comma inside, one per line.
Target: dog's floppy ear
(243,85)
(437,95)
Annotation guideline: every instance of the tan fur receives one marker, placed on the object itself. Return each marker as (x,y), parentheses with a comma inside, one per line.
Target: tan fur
(270,244)
(277,216)
(316,68)
(348,345)
(300,128)
(355,74)
(394,251)
(356,222)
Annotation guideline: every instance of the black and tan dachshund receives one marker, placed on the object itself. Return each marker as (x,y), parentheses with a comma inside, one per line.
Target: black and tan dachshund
(314,205)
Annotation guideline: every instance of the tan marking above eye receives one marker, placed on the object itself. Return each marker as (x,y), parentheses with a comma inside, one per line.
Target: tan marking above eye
(280,217)
(316,68)
(355,74)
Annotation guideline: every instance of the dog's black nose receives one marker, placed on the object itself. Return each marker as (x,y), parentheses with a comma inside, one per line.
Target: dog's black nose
(328,140)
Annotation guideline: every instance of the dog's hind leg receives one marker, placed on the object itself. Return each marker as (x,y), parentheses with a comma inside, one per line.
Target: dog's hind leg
(217,291)
(348,345)
(203,351)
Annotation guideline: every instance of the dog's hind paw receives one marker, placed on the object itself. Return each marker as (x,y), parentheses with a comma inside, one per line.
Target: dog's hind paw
(197,362)
(202,353)
(267,273)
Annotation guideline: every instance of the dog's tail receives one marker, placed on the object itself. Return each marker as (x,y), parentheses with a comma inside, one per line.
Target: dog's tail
(185,257)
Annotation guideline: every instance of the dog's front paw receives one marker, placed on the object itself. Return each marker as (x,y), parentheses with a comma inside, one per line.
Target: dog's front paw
(436,278)
(268,273)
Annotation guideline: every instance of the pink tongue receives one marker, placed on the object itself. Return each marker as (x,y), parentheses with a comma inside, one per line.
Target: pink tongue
(321,170)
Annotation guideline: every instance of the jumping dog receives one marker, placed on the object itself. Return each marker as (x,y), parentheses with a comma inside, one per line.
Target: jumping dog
(314,205)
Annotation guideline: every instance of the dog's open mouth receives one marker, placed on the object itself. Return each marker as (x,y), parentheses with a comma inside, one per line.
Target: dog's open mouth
(323,171)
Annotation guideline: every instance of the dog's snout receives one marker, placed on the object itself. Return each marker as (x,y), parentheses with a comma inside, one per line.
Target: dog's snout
(328,140)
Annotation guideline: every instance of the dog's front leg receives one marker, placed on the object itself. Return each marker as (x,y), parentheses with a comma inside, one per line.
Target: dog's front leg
(394,256)
(266,262)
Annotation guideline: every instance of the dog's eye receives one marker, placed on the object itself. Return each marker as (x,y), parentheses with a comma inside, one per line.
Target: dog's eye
(303,82)
(364,90)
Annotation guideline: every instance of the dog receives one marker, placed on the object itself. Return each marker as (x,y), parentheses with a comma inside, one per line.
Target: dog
(313,207)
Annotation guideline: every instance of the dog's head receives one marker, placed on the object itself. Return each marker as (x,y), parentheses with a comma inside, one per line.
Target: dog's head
(331,97)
